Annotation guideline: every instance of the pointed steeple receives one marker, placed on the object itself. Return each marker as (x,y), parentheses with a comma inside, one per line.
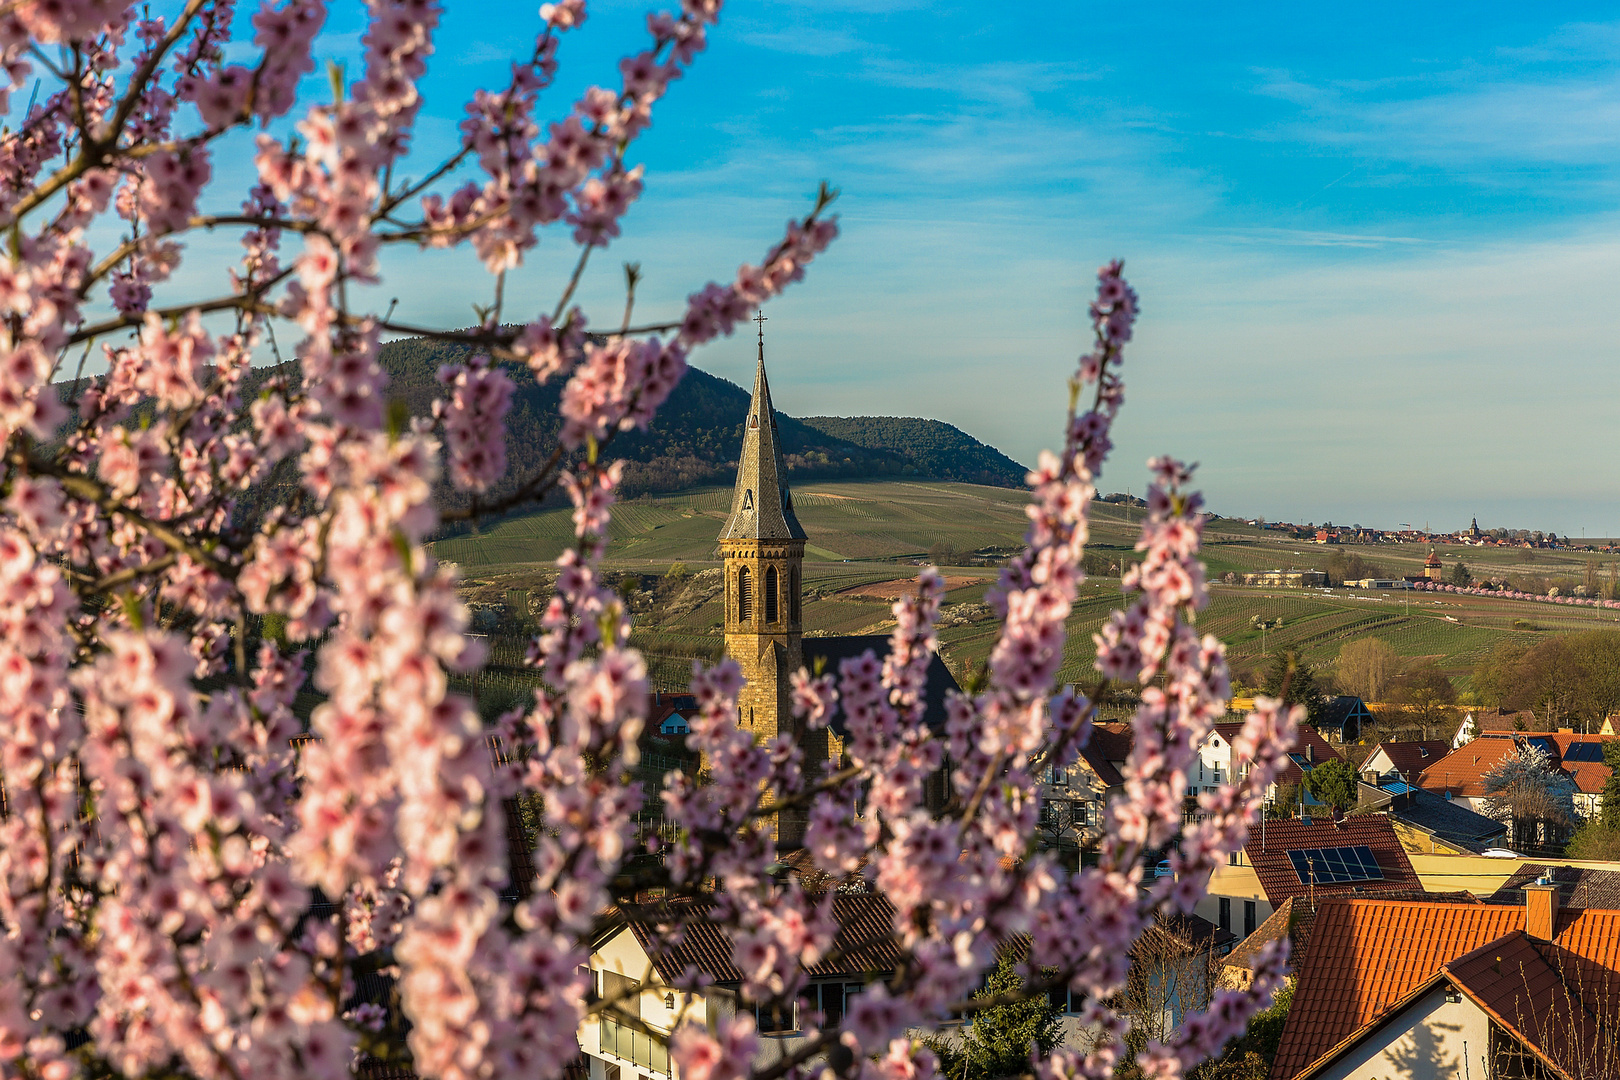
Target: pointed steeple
(762,507)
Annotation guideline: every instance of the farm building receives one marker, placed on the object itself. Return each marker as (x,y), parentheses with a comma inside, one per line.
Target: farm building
(1287,579)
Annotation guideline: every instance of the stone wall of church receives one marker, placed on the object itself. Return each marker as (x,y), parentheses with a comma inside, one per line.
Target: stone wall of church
(763,628)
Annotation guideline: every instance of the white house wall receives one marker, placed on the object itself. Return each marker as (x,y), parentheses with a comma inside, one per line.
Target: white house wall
(624,955)
(1431,1039)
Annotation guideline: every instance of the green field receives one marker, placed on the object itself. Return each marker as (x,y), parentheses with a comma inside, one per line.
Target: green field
(846,521)
(863,533)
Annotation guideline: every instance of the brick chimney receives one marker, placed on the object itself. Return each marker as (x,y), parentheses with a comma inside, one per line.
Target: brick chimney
(1541,910)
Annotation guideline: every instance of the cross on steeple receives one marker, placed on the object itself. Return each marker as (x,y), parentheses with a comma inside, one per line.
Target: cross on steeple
(759,317)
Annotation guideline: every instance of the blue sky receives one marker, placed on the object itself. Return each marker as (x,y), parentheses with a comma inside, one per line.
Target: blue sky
(1377,245)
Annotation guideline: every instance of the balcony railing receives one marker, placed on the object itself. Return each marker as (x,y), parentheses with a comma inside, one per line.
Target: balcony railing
(636,1046)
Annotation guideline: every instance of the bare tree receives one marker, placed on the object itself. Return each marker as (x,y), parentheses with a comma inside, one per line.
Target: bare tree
(1173,975)
(1535,800)
(1367,667)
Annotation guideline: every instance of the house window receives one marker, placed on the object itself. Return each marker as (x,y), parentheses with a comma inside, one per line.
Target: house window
(1234,858)
(828,999)
(771,607)
(1250,912)
(780,1018)
(1226,913)
(745,595)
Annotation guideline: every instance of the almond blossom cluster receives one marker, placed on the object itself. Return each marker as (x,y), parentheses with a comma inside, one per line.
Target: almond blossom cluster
(966,883)
(249,826)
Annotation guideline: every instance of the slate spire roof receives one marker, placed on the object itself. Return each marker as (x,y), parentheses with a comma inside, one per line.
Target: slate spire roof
(762,507)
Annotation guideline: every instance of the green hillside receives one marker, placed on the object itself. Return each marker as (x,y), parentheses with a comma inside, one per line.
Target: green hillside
(697,435)
(933,446)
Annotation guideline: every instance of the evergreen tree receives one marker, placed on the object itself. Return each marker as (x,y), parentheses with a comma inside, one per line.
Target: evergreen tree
(1332,782)
(1611,788)
(997,1041)
(1250,1057)
(1290,678)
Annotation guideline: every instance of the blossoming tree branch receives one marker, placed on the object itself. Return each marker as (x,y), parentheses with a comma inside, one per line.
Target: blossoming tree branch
(190,885)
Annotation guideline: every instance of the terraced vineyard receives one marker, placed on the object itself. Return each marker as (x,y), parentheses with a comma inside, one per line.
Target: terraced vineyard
(846,521)
(863,533)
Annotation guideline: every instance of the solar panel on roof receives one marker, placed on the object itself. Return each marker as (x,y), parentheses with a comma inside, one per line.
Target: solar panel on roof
(1547,746)
(1336,866)
(1585,751)
(1397,788)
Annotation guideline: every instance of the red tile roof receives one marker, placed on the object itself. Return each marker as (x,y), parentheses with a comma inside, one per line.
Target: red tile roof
(1369,956)
(1111,741)
(1589,776)
(1268,848)
(1411,758)
(1534,991)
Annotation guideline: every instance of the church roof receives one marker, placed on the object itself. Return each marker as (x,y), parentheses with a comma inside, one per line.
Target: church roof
(829,652)
(762,506)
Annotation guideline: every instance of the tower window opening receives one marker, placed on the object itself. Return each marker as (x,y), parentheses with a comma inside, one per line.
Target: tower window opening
(771,606)
(794,596)
(745,595)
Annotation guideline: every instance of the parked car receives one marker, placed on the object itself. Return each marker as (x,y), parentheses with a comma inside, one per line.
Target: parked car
(1163,869)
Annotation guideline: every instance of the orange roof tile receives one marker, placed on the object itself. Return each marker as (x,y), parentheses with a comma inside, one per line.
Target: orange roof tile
(1462,772)
(1589,776)
(1368,956)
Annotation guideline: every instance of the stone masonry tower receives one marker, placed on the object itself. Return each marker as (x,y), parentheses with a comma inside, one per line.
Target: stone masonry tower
(763,545)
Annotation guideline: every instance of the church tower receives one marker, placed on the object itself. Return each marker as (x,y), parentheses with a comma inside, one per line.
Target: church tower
(763,545)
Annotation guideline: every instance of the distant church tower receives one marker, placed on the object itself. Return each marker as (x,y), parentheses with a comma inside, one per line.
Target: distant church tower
(763,545)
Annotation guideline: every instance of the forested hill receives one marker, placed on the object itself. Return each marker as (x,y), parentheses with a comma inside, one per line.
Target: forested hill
(697,435)
(935,447)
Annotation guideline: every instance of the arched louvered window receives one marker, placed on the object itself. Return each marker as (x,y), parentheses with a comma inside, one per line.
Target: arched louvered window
(793,597)
(745,595)
(771,606)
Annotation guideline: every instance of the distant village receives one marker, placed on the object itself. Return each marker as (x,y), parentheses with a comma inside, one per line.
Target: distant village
(1473,536)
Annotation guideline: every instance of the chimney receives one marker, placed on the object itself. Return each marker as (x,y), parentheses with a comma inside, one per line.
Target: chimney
(1541,910)
(1310,753)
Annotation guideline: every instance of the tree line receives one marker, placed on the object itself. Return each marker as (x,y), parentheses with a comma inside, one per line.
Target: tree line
(1569,680)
